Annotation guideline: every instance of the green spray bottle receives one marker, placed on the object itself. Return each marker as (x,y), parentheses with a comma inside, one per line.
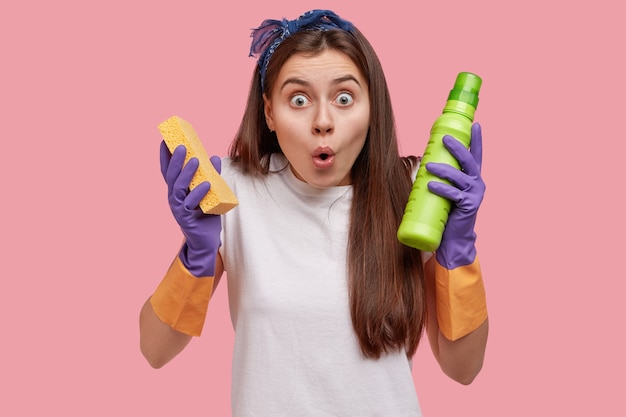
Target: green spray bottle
(426,214)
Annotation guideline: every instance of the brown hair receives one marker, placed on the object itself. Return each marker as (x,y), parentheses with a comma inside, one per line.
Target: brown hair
(386,280)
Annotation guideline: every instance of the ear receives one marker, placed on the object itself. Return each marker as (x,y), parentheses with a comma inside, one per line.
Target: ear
(267,108)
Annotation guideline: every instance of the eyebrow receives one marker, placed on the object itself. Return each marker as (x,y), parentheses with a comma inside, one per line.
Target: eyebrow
(336,81)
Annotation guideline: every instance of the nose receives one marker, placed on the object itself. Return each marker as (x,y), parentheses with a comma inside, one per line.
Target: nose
(323,122)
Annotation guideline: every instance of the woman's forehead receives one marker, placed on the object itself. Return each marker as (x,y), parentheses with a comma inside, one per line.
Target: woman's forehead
(329,63)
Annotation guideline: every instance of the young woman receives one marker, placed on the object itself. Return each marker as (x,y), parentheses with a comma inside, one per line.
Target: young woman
(328,307)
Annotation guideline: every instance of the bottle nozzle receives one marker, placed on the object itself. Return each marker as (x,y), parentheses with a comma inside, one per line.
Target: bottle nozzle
(466,88)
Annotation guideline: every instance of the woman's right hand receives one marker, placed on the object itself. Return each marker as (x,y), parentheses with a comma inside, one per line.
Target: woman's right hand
(201,231)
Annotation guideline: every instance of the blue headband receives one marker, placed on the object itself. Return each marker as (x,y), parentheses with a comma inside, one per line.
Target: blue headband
(267,37)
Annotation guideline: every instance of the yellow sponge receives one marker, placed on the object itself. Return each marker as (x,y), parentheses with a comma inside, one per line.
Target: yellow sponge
(220,198)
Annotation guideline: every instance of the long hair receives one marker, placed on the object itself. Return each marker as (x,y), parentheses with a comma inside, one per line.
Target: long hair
(386,280)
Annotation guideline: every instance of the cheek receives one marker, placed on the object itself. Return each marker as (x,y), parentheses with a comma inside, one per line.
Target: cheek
(287,122)
(362,116)
(293,148)
(363,128)
(359,144)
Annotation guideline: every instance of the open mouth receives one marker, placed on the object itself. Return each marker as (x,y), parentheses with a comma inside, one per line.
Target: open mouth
(323,158)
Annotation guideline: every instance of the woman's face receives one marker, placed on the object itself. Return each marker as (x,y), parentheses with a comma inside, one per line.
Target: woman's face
(320,111)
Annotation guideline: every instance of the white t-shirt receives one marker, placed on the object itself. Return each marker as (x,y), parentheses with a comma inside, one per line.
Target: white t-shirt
(296,353)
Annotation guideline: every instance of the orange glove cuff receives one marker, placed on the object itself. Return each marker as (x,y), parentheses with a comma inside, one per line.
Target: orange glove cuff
(181,299)
(461,301)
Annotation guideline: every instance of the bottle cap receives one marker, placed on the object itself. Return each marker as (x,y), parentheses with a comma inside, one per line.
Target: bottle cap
(466,88)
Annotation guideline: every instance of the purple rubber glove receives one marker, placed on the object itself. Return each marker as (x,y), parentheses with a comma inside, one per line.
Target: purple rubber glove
(466,193)
(201,231)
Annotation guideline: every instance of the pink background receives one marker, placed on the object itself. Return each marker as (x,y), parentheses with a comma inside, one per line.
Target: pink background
(87,234)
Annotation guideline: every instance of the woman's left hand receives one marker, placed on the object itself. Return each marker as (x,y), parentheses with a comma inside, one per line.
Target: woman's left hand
(466,191)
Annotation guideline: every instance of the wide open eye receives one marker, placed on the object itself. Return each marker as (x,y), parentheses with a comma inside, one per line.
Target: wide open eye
(344,99)
(299,100)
